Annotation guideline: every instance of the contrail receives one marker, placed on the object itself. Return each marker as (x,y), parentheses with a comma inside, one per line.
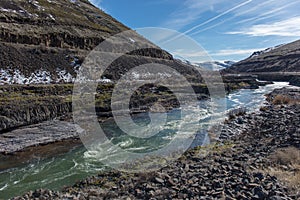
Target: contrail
(212,19)
(238,14)
(259,17)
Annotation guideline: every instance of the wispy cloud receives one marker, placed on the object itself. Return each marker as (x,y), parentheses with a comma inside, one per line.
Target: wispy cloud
(289,27)
(233,52)
(97,3)
(191,54)
(191,11)
(208,21)
(218,16)
(242,13)
(277,11)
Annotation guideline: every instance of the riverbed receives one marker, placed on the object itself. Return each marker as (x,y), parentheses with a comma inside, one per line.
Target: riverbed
(65,164)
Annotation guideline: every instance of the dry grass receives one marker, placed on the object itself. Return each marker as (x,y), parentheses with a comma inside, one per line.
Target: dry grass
(264,108)
(286,167)
(282,99)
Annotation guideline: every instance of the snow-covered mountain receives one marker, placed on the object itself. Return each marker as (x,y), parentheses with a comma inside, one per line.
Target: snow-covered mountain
(210,65)
(215,65)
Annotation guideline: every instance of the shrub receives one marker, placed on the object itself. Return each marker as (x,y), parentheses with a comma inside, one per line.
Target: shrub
(287,167)
(282,99)
(287,156)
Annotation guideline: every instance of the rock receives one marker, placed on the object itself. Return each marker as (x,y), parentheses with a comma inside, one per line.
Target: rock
(259,175)
(259,192)
(49,132)
(203,188)
(159,180)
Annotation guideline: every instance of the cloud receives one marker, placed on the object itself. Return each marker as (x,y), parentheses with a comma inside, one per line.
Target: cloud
(196,16)
(191,11)
(234,52)
(269,13)
(97,3)
(289,28)
(219,16)
(191,54)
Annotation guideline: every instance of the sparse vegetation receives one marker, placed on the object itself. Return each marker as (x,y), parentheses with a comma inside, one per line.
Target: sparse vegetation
(286,167)
(282,99)
(263,108)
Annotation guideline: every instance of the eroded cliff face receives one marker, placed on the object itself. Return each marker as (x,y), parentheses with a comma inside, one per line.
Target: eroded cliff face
(24,105)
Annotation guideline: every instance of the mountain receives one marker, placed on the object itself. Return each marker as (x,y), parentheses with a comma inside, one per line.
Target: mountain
(46,41)
(209,65)
(282,58)
(216,65)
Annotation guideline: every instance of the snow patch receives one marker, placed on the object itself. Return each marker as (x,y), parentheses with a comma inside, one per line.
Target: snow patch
(51,17)
(131,40)
(38,77)
(8,10)
(41,77)
(64,76)
(104,80)
(258,53)
(36,4)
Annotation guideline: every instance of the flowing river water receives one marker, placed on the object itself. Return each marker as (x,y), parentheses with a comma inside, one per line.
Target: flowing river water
(68,163)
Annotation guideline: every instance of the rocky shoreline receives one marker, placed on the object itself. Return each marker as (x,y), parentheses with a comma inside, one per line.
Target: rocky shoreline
(236,168)
(39,134)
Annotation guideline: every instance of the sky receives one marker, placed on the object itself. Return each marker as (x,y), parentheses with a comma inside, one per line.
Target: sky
(226,29)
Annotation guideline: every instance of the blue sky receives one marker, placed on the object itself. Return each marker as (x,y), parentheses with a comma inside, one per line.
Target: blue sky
(227,30)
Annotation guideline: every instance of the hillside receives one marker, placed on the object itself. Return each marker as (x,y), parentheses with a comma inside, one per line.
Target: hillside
(43,44)
(283,58)
(46,41)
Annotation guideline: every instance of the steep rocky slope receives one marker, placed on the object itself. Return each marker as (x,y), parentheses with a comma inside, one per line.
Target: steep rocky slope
(283,58)
(45,41)
(56,23)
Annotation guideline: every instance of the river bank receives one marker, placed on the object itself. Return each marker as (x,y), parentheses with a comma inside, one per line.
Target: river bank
(32,115)
(242,165)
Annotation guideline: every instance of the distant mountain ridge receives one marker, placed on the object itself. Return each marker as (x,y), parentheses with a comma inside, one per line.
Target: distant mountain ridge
(282,58)
(216,65)
(210,65)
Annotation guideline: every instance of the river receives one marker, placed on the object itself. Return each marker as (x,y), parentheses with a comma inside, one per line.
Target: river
(70,165)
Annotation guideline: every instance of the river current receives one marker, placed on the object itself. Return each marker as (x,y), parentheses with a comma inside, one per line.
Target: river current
(65,168)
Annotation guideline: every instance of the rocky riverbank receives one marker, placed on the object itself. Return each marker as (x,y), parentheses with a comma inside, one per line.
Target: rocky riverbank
(25,108)
(241,165)
(39,134)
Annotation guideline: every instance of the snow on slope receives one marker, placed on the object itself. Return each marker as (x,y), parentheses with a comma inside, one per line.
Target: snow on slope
(257,53)
(215,65)
(210,65)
